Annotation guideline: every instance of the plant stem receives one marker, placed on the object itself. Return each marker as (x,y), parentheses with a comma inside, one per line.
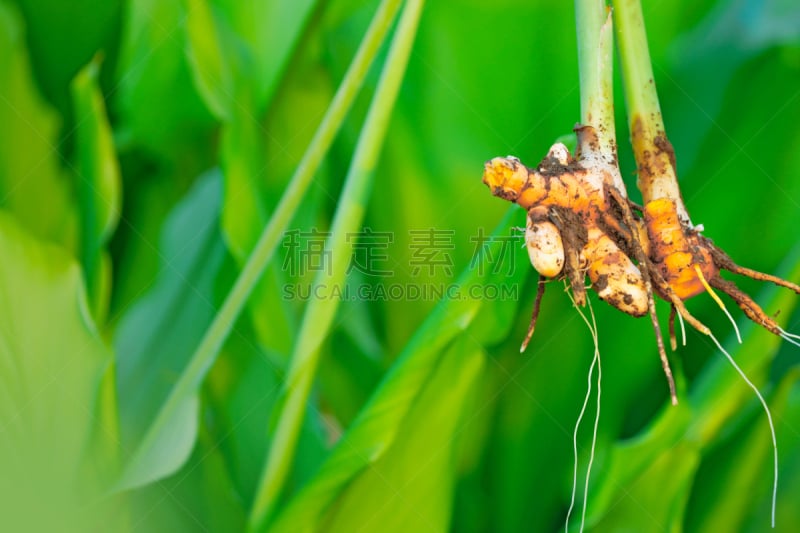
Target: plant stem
(640,93)
(320,312)
(595,64)
(597,144)
(654,155)
(218,331)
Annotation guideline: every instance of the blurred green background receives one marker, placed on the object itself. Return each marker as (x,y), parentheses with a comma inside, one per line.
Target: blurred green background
(145,143)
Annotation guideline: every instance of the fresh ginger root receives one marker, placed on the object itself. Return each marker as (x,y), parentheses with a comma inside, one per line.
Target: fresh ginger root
(580,223)
(571,225)
(575,224)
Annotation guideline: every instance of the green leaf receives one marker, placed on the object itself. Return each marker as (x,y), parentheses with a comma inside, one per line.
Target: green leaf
(212,54)
(244,215)
(99,187)
(377,426)
(239,50)
(206,353)
(319,314)
(32,184)
(52,364)
(240,391)
(198,497)
(258,154)
(157,336)
(656,499)
(270,32)
(644,483)
(63,37)
(789,481)
(409,487)
(243,163)
(708,56)
(734,475)
(157,103)
(719,392)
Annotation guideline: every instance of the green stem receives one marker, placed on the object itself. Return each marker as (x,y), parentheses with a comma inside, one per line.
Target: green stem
(640,90)
(595,64)
(320,312)
(218,331)
(654,155)
(598,148)
(597,144)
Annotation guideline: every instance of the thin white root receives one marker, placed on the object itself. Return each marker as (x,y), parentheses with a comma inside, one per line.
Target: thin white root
(717,299)
(595,361)
(735,327)
(596,416)
(789,337)
(769,419)
(792,335)
(575,445)
(683,328)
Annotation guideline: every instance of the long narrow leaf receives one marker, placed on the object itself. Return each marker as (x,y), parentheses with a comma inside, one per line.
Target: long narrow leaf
(376,427)
(409,488)
(52,363)
(99,185)
(185,387)
(155,338)
(32,182)
(319,313)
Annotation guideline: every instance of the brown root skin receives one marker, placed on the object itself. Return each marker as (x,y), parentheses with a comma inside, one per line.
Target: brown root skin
(750,308)
(574,236)
(673,342)
(542,284)
(724,262)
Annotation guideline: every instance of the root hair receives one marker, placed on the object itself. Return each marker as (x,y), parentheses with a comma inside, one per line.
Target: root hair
(769,419)
(595,362)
